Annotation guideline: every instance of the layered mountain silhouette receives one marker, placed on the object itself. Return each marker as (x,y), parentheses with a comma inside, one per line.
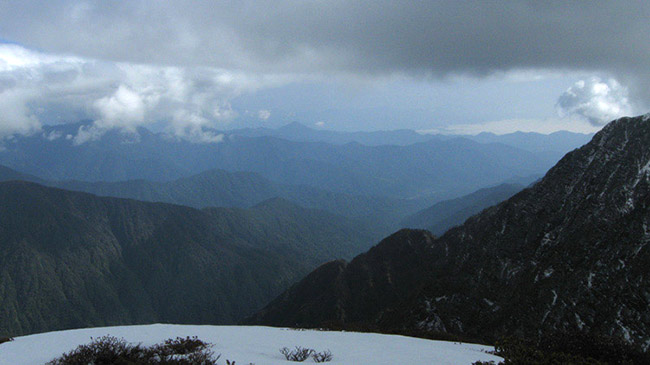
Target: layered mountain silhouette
(557,143)
(434,168)
(71,259)
(220,188)
(568,254)
(449,213)
(299,132)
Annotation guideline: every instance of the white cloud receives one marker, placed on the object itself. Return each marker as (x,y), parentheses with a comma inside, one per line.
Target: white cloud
(319,124)
(187,103)
(124,108)
(53,135)
(595,100)
(15,116)
(264,114)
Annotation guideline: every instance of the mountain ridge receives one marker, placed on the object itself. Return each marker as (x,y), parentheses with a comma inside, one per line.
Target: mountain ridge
(566,254)
(72,259)
(436,169)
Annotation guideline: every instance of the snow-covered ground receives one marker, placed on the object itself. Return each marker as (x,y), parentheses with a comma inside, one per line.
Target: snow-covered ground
(258,345)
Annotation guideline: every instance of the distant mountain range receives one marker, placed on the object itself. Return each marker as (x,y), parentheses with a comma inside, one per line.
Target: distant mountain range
(299,132)
(557,142)
(554,145)
(567,255)
(220,188)
(71,259)
(449,213)
(433,167)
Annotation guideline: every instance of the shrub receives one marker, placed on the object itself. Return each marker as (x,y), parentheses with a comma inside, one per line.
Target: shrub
(111,350)
(299,354)
(324,356)
(183,346)
(5,339)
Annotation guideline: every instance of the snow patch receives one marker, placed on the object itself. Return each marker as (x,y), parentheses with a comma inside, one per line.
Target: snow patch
(626,332)
(259,345)
(579,322)
(548,272)
(546,239)
(643,172)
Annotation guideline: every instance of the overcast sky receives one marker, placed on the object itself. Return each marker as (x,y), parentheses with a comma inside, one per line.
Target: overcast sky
(452,66)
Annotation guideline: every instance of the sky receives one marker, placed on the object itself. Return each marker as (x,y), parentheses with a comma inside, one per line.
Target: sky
(189,67)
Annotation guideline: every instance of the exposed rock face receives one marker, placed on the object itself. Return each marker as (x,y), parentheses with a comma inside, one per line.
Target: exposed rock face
(569,253)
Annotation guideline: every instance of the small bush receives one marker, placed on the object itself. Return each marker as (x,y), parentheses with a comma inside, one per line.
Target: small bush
(299,354)
(111,350)
(183,346)
(324,356)
(5,339)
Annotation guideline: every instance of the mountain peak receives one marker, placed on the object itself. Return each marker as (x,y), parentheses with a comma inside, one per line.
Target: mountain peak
(295,127)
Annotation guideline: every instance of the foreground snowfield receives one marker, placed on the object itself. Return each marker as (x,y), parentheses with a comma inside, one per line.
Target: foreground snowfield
(258,345)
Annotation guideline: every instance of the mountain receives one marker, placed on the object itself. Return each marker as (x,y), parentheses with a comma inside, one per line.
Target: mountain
(70,259)
(7,174)
(299,132)
(244,189)
(52,155)
(569,254)
(553,144)
(449,213)
(430,169)
(435,169)
(220,188)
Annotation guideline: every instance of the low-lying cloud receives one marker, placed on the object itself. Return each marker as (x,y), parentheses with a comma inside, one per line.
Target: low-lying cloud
(188,103)
(595,100)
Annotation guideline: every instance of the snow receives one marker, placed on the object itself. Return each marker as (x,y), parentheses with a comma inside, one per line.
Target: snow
(258,345)
(546,239)
(643,172)
(548,272)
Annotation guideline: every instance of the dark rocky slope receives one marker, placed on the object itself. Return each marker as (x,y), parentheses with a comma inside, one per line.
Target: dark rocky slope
(567,254)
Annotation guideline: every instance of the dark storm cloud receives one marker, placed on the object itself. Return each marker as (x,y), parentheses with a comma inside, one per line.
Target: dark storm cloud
(122,60)
(314,36)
